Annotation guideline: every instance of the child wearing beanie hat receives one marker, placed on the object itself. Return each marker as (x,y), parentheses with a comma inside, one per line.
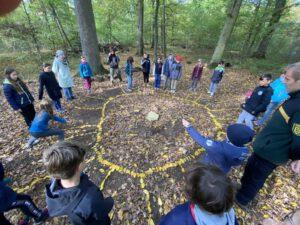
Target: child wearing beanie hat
(227,153)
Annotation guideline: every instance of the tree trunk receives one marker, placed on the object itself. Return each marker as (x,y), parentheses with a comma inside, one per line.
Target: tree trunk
(232,14)
(59,26)
(251,28)
(153,24)
(263,45)
(140,31)
(88,36)
(163,29)
(156,30)
(32,31)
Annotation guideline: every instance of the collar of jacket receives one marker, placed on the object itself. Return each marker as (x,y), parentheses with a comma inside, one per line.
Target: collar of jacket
(6,81)
(295,94)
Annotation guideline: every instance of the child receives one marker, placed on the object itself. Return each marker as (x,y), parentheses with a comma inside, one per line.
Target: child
(176,73)
(216,78)
(129,72)
(18,95)
(227,153)
(113,61)
(61,69)
(196,75)
(47,79)
(71,192)
(157,71)
(280,94)
(211,194)
(167,71)
(39,127)
(258,101)
(146,66)
(86,74)
(11,200)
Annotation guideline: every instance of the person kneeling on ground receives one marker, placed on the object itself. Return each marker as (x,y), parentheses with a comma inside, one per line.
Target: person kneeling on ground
(227,153)
(210,193)
(70,191)
(39,127)
(11,200)
(258,101)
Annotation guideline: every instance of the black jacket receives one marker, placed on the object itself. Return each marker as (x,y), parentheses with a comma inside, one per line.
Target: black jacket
(83,204)
(259,100)
(279,140)
(48,80)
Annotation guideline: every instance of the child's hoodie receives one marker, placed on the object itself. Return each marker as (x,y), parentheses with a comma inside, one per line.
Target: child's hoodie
(83,204)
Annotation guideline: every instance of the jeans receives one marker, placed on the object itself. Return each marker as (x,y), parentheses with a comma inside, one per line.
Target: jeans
(112,72)
(157,81)
(213,88)
(173,84)
(194,84)
(46,133)
(68,93)
(270,109)
(57,105)
(129,82)
(28,112)
(247,118)
(256,172)
(167,84)
(25,203)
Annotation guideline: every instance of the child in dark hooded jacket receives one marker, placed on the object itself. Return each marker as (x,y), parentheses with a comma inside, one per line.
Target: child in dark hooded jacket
(11,200)
(227,153)
(70,192)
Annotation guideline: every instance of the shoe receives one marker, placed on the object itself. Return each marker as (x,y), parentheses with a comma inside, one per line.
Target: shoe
(27,146)
(43,218)
(36,142)
(208,92)
(242,206)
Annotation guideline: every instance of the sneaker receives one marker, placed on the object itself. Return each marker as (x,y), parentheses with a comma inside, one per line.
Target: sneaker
(208,92)
(43,218)
(36,142)
(27,146)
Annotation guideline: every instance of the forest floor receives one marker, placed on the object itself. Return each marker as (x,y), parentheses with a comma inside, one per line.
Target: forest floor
(142,164)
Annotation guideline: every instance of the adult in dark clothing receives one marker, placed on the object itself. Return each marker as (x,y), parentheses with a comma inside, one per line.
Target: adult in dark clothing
(276,144)
(47,79)
(18,95)
(114,61)
(258,101)
(146,66)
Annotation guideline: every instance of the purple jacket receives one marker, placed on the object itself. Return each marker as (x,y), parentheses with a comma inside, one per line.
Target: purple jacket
(197,72)
(176,71)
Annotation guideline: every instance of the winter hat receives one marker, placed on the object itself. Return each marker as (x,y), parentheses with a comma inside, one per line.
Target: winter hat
(178,58)
(59,53)
(239,134)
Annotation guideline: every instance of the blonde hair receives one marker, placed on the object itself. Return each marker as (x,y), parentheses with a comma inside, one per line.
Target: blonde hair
(46,105)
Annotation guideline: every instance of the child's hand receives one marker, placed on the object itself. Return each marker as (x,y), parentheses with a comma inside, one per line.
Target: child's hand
(185,123)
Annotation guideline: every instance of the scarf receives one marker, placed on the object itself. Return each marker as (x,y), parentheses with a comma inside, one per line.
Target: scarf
(18,85)
(204,218)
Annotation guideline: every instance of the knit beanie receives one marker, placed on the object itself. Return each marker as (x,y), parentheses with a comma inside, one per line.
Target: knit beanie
(239,134)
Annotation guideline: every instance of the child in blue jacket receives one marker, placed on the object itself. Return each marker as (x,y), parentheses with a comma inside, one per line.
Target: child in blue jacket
(227,153)
(210,195)
(39,127)
(86,74)
(10,200)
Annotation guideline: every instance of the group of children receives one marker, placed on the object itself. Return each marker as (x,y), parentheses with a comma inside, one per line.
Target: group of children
(70,192)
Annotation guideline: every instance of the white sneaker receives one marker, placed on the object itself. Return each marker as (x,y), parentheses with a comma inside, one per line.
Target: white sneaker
(36,142)
(208,92)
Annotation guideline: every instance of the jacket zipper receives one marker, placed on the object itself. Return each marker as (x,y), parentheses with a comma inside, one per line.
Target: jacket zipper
(25,94)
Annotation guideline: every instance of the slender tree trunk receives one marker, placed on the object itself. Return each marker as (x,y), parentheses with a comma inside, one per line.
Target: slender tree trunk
(59,25)
(251,28)
(263,45)
(163,29)
(153,24)
(32,31)
(156,29)
(88,35)
(232,14)
(140,31)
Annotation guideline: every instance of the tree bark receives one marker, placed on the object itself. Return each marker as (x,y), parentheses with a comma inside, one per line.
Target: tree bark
(153,24)
(33,31)
(263,45)
(59,26)
(88,36)
(156,30)
(232,14)
(163,29)
(140,31)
